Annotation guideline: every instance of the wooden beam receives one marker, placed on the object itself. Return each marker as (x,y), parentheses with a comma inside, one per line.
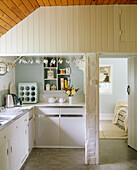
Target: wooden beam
(5,25)
(93,2)
(8,12)
(76,2)
(34,4)
(82,2)
(64,2)
(70,2)
(88,2)
(111,2)
(22,7)
(105,2)
(1,34)
(40,2)
(52,3)
(3,30)
(14,9)
(46,2)
(28,5)
(58,2)
(7,19)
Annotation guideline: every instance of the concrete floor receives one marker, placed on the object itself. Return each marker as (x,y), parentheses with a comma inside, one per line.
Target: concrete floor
(114,155)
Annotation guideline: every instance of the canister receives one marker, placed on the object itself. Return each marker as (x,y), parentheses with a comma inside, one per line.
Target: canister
(48,87)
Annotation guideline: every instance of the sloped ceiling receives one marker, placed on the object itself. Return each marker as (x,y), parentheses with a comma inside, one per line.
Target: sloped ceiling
(14,11)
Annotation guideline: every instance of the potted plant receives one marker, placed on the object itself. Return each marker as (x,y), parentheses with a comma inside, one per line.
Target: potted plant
(71,92)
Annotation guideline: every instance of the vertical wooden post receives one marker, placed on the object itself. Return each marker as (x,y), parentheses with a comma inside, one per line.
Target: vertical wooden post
(92,109)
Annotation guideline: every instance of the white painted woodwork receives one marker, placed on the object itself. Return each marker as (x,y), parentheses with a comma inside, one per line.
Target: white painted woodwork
(74,29)
(4,145)
(132,107)
(72,128)
(72,131)
(14,144)
(53,124)
(31,130)
(47,131)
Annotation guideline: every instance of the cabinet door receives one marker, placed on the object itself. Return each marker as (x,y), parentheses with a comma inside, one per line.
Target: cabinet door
(72,131)
(14,146)
(4,149)
(31,134)
(47,130)
(4,156)
(24,142)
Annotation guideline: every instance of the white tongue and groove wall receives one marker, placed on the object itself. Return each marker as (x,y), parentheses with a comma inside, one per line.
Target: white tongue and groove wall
(74,29)
(77,29)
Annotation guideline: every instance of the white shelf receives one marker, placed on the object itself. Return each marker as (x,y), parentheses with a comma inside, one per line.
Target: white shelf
(50,79)
(63,74)
(50,67)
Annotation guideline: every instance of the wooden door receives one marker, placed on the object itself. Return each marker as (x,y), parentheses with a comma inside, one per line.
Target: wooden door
(132,106)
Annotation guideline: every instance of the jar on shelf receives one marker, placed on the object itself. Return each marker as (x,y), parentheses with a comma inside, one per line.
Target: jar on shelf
(62,71)
(53,87)
(48,87)
(62,83)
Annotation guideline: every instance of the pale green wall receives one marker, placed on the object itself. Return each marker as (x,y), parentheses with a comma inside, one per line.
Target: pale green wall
(119,84)
(35,73)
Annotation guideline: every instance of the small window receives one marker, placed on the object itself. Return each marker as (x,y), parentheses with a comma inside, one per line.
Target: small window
(105,79)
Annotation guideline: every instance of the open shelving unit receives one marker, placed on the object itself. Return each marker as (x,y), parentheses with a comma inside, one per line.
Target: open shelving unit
(57,75)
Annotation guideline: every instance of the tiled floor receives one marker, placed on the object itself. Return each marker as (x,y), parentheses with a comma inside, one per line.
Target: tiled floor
(114,155)
(110,131)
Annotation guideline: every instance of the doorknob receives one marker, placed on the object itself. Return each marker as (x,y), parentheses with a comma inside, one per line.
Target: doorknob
(128,90)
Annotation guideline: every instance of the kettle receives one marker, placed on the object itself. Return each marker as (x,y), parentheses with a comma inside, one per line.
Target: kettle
(12,100)
(61,100)
(52,100)
(9,101)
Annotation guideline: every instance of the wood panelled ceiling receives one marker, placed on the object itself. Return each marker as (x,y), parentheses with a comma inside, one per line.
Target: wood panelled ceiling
(13,11)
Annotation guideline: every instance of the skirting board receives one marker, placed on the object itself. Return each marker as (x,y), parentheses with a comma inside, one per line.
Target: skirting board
(57,147)
(106,116)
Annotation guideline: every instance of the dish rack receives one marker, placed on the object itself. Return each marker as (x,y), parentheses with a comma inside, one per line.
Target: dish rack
(28,92)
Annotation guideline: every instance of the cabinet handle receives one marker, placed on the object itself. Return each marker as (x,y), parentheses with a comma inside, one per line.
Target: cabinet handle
(11,149)
(25,120)
(16,127)
(4,137)
(7,152)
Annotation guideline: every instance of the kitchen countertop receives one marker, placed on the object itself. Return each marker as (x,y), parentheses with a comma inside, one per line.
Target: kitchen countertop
(17,112)
(13,113)
(44,104)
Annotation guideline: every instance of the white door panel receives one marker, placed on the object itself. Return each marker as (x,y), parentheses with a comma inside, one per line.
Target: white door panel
(132,103)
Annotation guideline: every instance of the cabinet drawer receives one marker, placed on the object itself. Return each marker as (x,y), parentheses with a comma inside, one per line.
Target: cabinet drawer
(47,111)
(73,111)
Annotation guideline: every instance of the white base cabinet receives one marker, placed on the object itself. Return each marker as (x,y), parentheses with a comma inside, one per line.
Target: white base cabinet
(60,127)
(47,127)
(72,131)
(14,144)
